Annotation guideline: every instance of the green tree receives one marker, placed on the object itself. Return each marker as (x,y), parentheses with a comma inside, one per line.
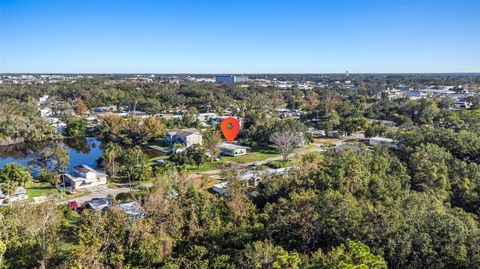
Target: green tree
(101,238)
(46,176)
(32,233)
(76,126)
(3,249)
(134,164)
(331,121)
(426,111)
(20,121)
(9,188)
(16,173)
(265,255)
(199,155)
(54,156)
(112,125)
(353,254)
(352,124)
(211,142)
(429,167)
(111,155)
(152,127)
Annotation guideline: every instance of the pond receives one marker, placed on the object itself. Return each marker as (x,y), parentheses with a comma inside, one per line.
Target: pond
(82,151)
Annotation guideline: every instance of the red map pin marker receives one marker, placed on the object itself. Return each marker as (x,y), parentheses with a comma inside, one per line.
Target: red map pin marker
(230,127)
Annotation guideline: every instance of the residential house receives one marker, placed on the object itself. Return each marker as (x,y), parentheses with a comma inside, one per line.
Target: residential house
(415,95)
(386,122)
(46,112)
(133,209)
(188,137)
(316,132)
(233,150)
(60,126)
(382,142)
(104,109)
(461,105)
(220,188)
(335,134)
(20,194)
(252,177)
(42,101)
(204,117)
(84,177)
(435,92)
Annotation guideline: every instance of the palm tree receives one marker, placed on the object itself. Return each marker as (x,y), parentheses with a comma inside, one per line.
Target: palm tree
(132,161)
(9,188)
(112,151)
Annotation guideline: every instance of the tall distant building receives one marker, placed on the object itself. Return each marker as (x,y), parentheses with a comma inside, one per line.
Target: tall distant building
(346,74)
(230,79)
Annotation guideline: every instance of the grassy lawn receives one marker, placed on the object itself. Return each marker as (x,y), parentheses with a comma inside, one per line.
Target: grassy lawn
(309,146)
(39,189)
(256,154)
(248,158)
(72,216)
(251,157)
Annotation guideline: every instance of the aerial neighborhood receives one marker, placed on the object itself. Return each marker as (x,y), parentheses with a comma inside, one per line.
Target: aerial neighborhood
(240,134)
(176,135)
(190,138)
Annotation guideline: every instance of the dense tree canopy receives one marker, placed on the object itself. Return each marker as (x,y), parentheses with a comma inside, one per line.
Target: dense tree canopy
(412,206)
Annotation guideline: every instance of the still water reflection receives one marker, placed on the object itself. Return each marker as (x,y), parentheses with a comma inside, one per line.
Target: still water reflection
(82,151)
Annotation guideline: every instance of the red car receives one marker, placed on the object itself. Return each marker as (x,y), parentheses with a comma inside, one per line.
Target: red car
(73,205)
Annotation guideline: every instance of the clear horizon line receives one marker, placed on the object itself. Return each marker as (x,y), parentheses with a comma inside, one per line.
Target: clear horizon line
(233,73)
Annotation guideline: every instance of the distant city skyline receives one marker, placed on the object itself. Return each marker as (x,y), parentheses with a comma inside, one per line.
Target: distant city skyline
(239,37)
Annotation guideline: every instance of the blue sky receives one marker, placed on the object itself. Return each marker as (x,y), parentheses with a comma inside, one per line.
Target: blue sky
(250,36)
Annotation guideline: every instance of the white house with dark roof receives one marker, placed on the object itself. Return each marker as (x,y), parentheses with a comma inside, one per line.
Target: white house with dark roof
(188,136)
(84,177)
(233,150)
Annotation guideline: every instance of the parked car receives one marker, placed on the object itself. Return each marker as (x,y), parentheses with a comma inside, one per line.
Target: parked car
(99,204)
(73,205)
